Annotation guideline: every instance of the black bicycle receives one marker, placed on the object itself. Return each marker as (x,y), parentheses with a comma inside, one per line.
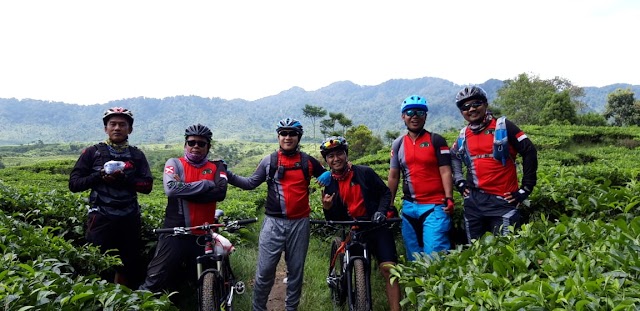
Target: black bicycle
(216,282)
(349,276)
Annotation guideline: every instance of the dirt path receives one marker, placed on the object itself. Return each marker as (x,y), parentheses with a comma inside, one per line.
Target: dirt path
(279,290)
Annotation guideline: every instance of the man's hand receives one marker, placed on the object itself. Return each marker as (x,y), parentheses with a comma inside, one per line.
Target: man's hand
(517,196)
(449,206)
(461,186)
(378,218)
(111,178)
(327,200)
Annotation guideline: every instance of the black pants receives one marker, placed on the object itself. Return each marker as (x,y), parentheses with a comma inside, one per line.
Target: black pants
(484,212)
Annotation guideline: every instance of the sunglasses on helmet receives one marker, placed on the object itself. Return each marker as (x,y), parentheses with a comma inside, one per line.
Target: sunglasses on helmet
(476,104)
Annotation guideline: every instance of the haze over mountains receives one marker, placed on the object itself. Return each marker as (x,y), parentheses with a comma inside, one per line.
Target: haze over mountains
(163,120)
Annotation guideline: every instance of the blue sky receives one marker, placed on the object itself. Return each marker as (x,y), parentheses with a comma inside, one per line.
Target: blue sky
(89,52)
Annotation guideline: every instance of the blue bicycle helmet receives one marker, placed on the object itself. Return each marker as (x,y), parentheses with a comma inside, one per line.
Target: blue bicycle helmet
(333,143)
(289,124)
(414,102)
(470,92)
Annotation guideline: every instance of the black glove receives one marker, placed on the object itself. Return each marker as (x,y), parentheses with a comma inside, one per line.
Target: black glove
(461,185)
(378,218)
(520,195)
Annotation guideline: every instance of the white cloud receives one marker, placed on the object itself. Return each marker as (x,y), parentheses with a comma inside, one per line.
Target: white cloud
(90,52)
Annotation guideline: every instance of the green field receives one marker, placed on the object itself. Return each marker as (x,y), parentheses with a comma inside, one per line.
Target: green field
(579,251)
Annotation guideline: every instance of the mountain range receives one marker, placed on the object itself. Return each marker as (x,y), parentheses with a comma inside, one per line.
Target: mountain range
(164,120)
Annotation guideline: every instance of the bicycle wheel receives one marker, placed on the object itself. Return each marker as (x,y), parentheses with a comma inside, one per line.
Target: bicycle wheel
(336,284)
(361,302)
(208,292)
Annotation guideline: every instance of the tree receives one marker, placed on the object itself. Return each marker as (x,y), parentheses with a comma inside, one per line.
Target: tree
(621,108)
(524,98)
(390,136)
(362,142)
(559,109)
(327,127)
(313,113)
(345,123)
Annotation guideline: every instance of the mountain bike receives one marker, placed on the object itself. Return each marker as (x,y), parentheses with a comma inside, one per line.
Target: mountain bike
(350,264)
(216,282)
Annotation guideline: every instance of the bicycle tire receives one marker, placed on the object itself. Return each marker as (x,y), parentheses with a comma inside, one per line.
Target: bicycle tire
(338,291)
(209,293)
(361,301)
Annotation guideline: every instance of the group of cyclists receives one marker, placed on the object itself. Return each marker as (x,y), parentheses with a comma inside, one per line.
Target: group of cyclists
(486,148)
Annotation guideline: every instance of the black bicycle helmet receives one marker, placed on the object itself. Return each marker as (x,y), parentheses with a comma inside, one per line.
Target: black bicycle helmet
(289,124)
(198,130)
(333,143)
(470,92)
(117,111)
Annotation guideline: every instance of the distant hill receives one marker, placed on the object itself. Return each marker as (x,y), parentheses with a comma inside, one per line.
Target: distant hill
(163,120)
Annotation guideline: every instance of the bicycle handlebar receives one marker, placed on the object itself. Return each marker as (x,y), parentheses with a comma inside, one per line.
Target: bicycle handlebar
(353,222)
(186,230)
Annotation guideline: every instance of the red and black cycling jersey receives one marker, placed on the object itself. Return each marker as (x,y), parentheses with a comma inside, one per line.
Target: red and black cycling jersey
(192,192)
(486,173)
(120,196)
(420,162)
(288,189)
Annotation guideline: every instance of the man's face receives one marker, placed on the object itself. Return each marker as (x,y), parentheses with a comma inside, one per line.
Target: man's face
(197,145)
(474,110)
(118,129)
(414,119)
(288,140)
(337,160)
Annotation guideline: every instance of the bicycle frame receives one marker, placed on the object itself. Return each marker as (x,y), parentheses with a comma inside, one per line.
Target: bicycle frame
(355,260)
(216,281)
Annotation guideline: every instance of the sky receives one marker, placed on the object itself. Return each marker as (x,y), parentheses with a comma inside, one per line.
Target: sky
(92,52)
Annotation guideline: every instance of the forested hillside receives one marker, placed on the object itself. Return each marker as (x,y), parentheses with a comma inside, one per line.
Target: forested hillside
(162,120)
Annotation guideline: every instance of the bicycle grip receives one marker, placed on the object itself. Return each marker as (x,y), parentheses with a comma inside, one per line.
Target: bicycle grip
(247,221)
(163,230)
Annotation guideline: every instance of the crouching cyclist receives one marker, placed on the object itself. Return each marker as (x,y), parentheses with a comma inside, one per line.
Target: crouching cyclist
(357,192)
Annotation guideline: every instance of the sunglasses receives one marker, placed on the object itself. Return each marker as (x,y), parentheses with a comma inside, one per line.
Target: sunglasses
(200,143)
(414,112)
(288,133)
(475,105)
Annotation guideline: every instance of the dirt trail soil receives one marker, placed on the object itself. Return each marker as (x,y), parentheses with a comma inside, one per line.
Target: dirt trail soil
(279,290)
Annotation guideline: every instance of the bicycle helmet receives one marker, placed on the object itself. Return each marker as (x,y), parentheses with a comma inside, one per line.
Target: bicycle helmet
(414,102)
(470,92)
(333,143)
(289,124)
(115,111)
(198,130)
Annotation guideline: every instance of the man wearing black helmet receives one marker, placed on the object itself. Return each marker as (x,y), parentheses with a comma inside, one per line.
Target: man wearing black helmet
(115,172)
(193,185)
(286,223)
(488,147)
(357,192)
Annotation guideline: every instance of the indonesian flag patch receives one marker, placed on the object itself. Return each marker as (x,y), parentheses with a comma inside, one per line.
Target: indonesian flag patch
(169,170)
(224,175)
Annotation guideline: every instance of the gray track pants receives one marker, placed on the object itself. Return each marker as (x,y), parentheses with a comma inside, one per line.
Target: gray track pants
(278,235)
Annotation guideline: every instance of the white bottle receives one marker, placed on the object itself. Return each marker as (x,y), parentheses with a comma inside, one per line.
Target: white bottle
(222,245)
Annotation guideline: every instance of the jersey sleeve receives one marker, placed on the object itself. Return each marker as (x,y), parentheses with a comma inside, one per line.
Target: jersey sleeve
(248,183)
(525,147)
(443,153)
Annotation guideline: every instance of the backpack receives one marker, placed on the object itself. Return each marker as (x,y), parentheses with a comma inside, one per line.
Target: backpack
(105,155)
(303,164)
(500,143)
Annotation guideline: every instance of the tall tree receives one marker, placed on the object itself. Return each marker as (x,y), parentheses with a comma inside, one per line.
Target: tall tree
(524,98)
(390,136)
(621,108)
(313,113)
(362,142)
(559,109)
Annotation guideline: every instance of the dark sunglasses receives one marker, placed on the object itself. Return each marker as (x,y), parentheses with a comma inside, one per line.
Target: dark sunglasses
(288,133)
(414,112)
(200,143)
(475,104)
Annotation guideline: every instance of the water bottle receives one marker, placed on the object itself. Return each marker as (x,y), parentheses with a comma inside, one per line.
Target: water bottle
(222,245)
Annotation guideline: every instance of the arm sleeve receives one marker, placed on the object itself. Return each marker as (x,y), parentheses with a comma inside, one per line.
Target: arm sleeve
(82,176)
(143,179)
(218,192)
(249,183)
(443,153)
(316,168)
(174,185)
(524,146)
(380,188)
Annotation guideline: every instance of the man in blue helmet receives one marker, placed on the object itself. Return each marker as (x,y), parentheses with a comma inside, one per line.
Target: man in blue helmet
(425,162)
(286,223)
